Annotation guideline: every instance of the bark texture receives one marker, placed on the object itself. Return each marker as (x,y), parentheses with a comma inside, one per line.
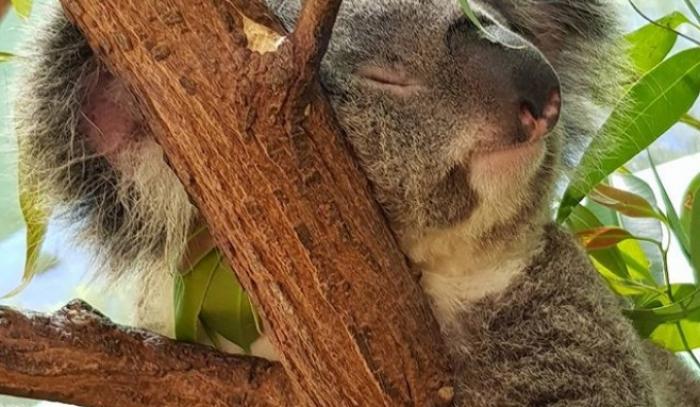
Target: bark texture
(236,107)
(78,356)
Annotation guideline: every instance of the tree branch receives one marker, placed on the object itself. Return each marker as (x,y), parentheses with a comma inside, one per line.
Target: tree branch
(258,150)
(78,356)
(4,7)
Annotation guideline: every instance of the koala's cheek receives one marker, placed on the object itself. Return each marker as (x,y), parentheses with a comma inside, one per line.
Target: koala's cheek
(502,178)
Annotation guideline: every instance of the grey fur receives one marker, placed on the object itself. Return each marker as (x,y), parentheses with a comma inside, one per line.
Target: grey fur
(554,335)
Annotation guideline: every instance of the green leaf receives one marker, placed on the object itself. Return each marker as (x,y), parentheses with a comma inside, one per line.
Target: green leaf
(624,202)
(661,321)
(36,219)
(669,337)
(674,222)
(690,221)
(687,305)
(190,290)
(22,7)
(650,44)
(638,264)
(209,295)
(5,56)
(606,215)
(469,12)
(650,107)
(227,309)
(636,185)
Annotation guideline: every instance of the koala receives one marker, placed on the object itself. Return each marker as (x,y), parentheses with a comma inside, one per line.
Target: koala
(463,132)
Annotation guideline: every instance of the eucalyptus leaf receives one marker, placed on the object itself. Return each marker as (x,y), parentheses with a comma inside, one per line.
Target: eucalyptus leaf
(635,185)
(227,309)
(651,106)
(671,325)
(36,218)
(609,261)
(674,222)
(693,230)
(23,7)
(685,307)
(602,237)
(209,296)
(469,13)
(627,203)
(638,264)
(650,44)
(670,337)
(190,290)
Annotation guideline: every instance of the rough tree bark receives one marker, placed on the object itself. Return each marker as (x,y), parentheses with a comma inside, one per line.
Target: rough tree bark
(235,104)
(76,354)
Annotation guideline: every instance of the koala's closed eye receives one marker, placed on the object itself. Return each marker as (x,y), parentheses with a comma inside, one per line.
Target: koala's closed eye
(393,80)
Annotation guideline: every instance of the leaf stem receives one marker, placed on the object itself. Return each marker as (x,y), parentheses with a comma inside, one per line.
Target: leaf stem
(693,10)
(684,340)
(690,121)
(669,290)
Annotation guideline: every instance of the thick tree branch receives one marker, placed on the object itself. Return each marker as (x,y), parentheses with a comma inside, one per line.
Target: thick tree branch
(78,356)
(258,150)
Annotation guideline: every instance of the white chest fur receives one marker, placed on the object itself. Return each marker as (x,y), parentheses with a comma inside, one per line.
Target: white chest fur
(457,270)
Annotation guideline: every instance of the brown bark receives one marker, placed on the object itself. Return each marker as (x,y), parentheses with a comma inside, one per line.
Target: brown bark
(244,126)
(4,6)
(78,356)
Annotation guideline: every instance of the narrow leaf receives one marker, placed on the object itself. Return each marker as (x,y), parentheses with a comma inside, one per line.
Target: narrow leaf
(5,56)
(22,7)
(227,309)
(650,44)
(207,295)
(36,219)
(651,106)
(603,237)
(691,217)
(608,262)
(674,222)
(624,202)
(190,290)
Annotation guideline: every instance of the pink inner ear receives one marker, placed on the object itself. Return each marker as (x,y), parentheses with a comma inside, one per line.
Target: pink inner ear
(110,119)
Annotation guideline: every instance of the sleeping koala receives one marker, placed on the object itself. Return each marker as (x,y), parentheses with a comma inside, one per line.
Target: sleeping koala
(462,133)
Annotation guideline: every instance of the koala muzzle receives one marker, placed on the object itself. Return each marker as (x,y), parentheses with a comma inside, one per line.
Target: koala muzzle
(511,75)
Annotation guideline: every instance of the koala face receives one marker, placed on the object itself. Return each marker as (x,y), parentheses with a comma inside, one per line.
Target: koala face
(455,125)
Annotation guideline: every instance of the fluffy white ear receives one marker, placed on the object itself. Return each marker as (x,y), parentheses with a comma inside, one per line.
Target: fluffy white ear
(109,116)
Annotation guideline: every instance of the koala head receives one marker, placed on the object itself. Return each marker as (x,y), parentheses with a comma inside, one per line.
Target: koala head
(454,125)
(460,125)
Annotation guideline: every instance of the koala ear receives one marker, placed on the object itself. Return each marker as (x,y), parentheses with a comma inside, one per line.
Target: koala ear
(109,116)
(551,24)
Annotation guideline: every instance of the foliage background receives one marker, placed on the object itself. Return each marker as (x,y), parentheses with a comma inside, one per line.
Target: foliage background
(677,154)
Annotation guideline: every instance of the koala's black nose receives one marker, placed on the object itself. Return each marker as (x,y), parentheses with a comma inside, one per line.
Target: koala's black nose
(538,90)
(511,72)
(537,120)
